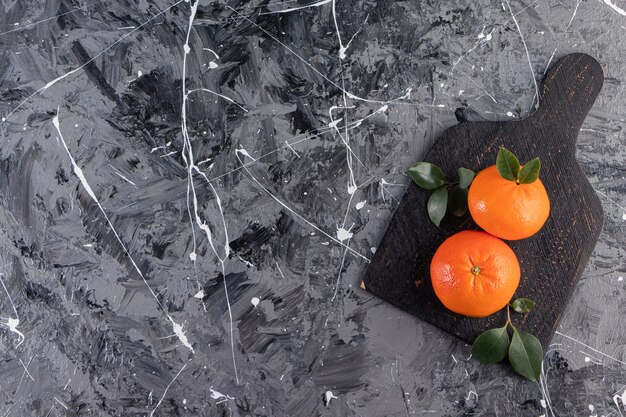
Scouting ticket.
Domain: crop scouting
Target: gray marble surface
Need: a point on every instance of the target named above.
(201, 257)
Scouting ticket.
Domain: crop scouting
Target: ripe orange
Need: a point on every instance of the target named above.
(506, 209)
(474, 273)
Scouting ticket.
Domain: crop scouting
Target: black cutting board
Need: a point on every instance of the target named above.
(553, 259)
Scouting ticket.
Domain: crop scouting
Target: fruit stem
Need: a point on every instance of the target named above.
(475, 270)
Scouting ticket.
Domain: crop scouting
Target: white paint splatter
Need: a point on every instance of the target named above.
(199, 294)
(321, 74)
(510, 114)
(22, 27)
(329, 396)
(342, 49)
(230, 100)
(167, 388)
(245, 153)
(620, 279)
(615, 7)
(621, 398)
(94, 58)
(382, 184)
(61, 403)
(469, 395)
(255, 301)
(373, 249)
(589, 347)
(26, 372)
(530, 65)
(343, 259)
(12, 323)
(193, 256)
(593, 360)
(213, 65)
(211, 51)
(79, 173)
(319, 3)
(573, 15)
(279, 270)
(614, 202)
(216, 395)
(119, 174)
(191, 166)
(139, 74)
(343, 234)
(360, 204)
(482, 35)
(591, 410)
(549, 61)
(295, 153)
(245, 167)
(334, 122)
(178, 331)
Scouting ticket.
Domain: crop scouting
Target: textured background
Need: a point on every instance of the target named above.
(114, 300)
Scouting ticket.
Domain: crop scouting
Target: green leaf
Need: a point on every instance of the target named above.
(529, 172)
(522, 305)
(491, 346)
(457, 201)
(466, 176)
(507, 164)
(437, 204)
(427, 175)
(526, 355)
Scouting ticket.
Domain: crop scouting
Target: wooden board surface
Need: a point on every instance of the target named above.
(552, 260)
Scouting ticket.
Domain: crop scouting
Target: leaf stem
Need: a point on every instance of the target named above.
(508, 318)
(451, 184)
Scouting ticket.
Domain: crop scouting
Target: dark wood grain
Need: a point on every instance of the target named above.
(552, 260)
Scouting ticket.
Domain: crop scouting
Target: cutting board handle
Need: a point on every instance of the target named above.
(569, 90)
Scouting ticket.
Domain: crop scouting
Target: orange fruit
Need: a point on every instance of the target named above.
(474, 273)
(506, 209)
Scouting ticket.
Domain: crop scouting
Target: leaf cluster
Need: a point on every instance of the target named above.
(510, 169)
(447, 195)
(523, 349)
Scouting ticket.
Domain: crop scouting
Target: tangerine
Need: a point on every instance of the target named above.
(474, 273)
(505, 208)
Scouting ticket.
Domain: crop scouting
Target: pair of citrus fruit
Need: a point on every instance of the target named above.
(475, 273)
